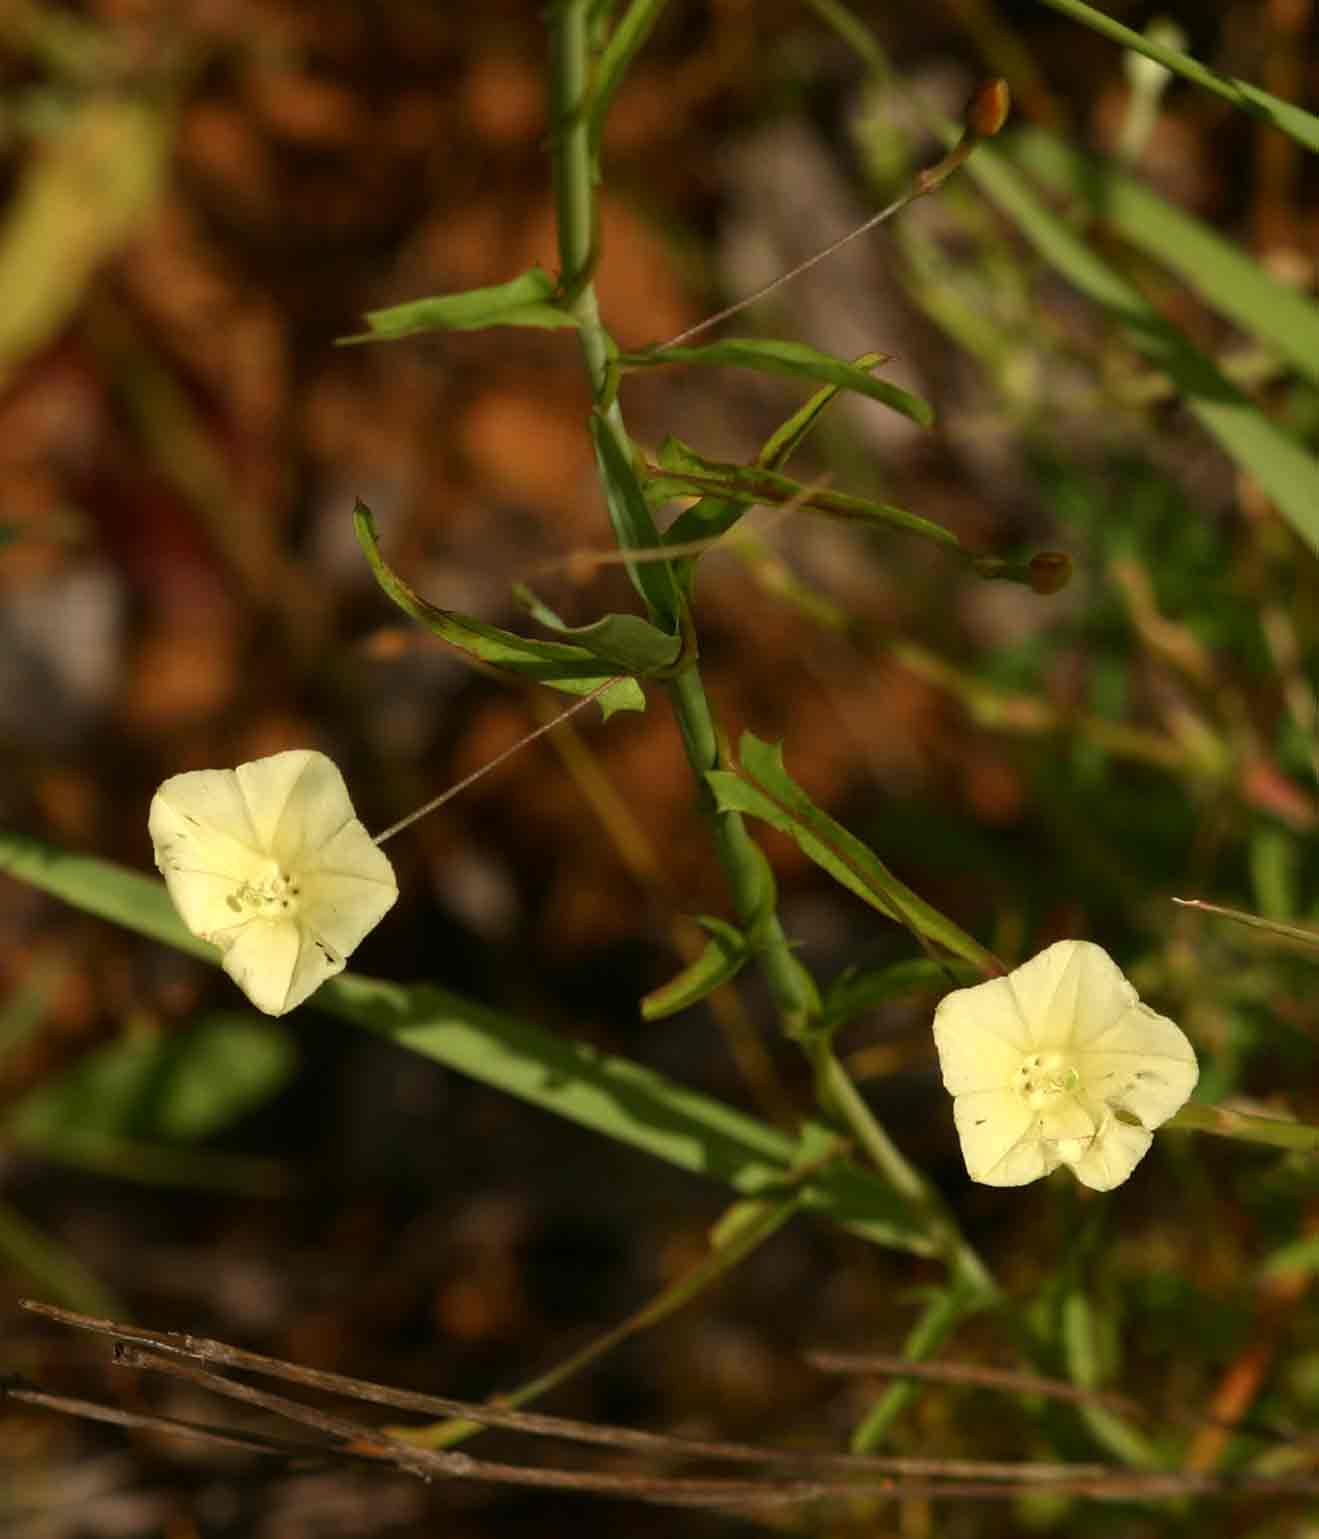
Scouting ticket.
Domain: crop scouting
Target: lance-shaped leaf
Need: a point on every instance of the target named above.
(723, 958)
(560, 665)
(626, 642)
(712, 516)
(795, 359)
(527, 300)
(764, 789)
(751, 484)
(634, 528)
(860, 989)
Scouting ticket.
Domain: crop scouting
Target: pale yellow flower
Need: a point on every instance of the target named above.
(269, 863)
(1059, 1063)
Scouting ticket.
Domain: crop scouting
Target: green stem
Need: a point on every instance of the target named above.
(795, 994)
(968, 1273)
(1299, 1137)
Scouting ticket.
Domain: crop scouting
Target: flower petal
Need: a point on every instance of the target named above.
(277, 964)
(1066, 1117)
(1106, 1160)
(980, 1036)
(262, 957)
(1144, 1064)
(297, 802)
(999, 1143)
(348, 889)
(205, 846)
(1093, 992)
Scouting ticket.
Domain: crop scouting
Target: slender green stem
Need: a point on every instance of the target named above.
(838, 1091)
(793, 988)
(1299, 1137)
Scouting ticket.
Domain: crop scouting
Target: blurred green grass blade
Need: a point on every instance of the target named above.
(609, 1095)
(944, 1312)
(56, 1271)
(79, 199)
(763, 789)
(1294, 121)
(1082, 1332)
(1281, 318)
(1284, 470)
(795, 359)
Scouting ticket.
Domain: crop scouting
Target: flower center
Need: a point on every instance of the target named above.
(1043, 1077)
(269, 894)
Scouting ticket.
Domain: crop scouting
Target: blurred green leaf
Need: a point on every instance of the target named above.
(527, 300)
(1282, 318)
(561, 666)
(182, 1088)
(857, 990)
(1284, 469)
(794, 359)
(723, 958)
(79, 198)
(1292, 120)
(763, 789)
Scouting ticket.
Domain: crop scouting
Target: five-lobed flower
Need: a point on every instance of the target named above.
(1059, 1063)
(270, 863)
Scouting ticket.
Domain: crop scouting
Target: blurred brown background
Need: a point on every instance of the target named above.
(199, 199)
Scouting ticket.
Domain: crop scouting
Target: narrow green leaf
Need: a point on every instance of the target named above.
(1282, 318)
(629, 512)
(527, 300)
(763, 789)
(795, 359)
(857, 990)
(1289, 119)
(1283, 468)
(626, 642)
(674, 454)
(56, 1272)
(625, 42)
(712, 517)
(749, 485)
(1081, 1333)
(723, 958)
(783, 442)
(561, 666)
(621, 1100)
